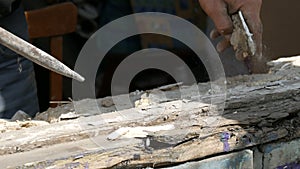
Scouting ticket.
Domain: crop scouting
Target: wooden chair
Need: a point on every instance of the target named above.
(53, 22)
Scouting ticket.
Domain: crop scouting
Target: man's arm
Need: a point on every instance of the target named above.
(220, 10)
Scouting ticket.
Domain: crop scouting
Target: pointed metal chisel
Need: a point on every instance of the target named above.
(36, 55)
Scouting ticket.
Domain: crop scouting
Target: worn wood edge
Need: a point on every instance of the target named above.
(128, 157)
(288, 94)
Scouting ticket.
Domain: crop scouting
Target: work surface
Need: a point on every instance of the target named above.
(162, 128)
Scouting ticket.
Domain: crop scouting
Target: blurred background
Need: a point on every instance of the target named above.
(281, 39)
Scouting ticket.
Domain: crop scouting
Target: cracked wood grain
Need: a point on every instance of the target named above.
(259, 109)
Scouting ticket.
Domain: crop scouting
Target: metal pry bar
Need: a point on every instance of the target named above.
(36, 55)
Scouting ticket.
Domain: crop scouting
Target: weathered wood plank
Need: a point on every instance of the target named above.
(238, 160)
(167, 130)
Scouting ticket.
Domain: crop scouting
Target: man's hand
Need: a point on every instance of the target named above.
(220, 10)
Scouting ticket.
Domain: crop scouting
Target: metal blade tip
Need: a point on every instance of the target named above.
(78, 77)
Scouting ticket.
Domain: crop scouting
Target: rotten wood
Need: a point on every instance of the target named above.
(244, 44)
(162, 131)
